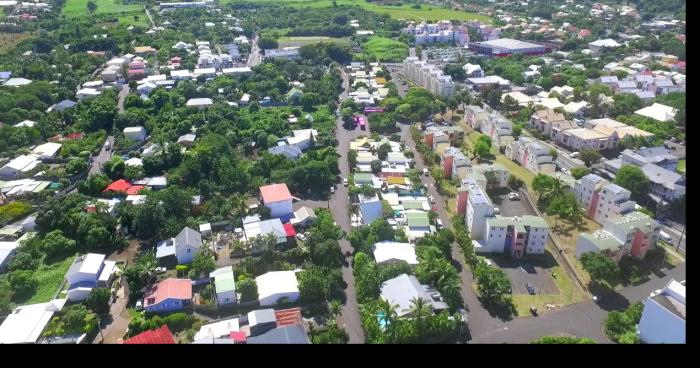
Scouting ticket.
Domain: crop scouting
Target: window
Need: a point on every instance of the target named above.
(189, 250)
(491, 236)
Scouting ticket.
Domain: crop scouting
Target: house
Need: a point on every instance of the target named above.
(598, 45)
(544, 120)
(290, 152)
(213, 333)
(665, 184)
(25, 324)
(16, 82)
(225, 284)
(145, 88)
(160, 335)
(520, 98)
(659, 156)
(143, 50)
(19, 166)
(47, 150)
(663, 317)
(135, 133)
(632, 234)
(8, 250)
(25, 123)
(88, 272)
(168, 295)
(275, 285)
(551, 103)
(610, 81)
(187, 140)
(277, 198)
(179, 75)
(61, 106)
(615, 130)
(402, 290)
(417, 224)
(87, 93)
(658, 112)
(577, 109)
(565, 91)
(578, 139)
(303, 217)
(473, 70)
(389, 252)
(370, 208)
(253, 227)
(601, 199)
(293, 334)
(516, 236)
(199, 103)
(261, 321)
(183, 247)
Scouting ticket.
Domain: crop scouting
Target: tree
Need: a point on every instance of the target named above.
(76, 166)
(383, 151)
(6, 293)
(326, 253)
(481, 149)
(133, 172)
(247, 288)
(74, 318)
(554, 153)
(202, 264)
(621, 326)
(494, 286)
(546, 187)
(420, 311)
(579, 172)
(320, 283)
(599, 266)
(94, 184)
(565, 206)
(633, 179)
(376, 166)
(563, 340)
(23, 282)
(98, 300)
(55, 243)
(91, 7)
(309, 100)
(590, 157)
(23, 261)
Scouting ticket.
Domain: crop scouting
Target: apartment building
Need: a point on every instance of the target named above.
(632, 234)
(583, 138)
(531, 154)
(549, 122)
(479, 207)
(663, 317)
(601, 199)
(429, 76)
(498, 128)
(454, 163)
(475, 116)
(516, 236)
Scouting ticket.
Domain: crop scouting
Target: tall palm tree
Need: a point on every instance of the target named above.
(389, 316)
(335, 306)
(147, 264)
(420, 311)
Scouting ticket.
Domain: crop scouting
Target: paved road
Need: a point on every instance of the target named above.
(675, 233)
(254, 58)
(583, 319)
(338, 204)
(102, 157)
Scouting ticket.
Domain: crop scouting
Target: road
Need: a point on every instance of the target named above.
(254, 58)
(102, 157)
(675, 233)
(338, 204)
(583, 319)
(563, 156)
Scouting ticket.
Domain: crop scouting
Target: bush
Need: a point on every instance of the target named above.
(247, 288)
(179, 321)
(14, 211)
(98, 300)
(23, 282)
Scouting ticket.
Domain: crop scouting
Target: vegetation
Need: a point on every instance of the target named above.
(14, 211)
(621, 327)
(384, 49)
(563, 340)
(632, 178)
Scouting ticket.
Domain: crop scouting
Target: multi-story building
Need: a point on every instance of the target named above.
(549, 122)
(507, 47)
(475, 116)
(659, 156)
(583, 138)
(498, 128)
(515, 236)
(496, 175)
(478, 209)
(429, 76)
(632, 234)
(532, 155)
(663, 318)
(601, 199)
(454, 163)
(441, 32)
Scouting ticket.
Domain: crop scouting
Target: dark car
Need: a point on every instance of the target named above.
(530, 289)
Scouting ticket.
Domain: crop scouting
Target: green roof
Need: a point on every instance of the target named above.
(636, 220)
(417, 219)
(362, 178)
(527, 220)
(602, 240)
(225, 282)
(412, 205)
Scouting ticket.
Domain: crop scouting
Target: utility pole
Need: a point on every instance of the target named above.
(680, 239)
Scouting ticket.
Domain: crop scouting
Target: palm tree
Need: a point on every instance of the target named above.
(389, 316)
(335, 306)
(420, 311)
(147, 264)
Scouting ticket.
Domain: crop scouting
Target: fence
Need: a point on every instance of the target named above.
(571, 269)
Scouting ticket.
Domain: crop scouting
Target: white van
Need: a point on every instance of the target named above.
(425, 171)
(665, 237)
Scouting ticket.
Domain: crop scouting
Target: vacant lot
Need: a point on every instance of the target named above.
(78, 8)
(385, 49)
(9, 40)
(405, 11)
(301, 41)
(50, 278)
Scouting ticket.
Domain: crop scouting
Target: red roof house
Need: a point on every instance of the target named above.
(289, 229)
(168, 295)
(134, 189)
(287, 317)
(277, 198)
(161, 335)
(120, 185)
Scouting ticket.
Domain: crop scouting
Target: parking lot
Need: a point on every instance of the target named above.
(509, 207)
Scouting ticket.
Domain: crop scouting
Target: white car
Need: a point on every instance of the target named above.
(345, 182)
(438, 222)
(513, 196)
(139, 305)
(573, 154)
(301, 237)
(565, 170)
(425, 171)
(496, 211)
(665, 237)
(332, 189)
(431, 199)
(160, 270)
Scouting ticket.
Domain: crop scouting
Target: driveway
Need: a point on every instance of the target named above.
(102, 157)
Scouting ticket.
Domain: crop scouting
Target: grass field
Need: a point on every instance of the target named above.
(78, 8)
(385, 49)
(300, 41)
(49, 278)
(399, 12)
(9, 40)
(568, 294)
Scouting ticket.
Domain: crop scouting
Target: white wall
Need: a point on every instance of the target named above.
(221, 298)
(272, 299)
(660, 326)
(186, 254)
(495, 238)
(536, 241)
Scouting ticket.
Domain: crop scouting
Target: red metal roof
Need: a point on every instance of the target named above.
(171, 288)
(76, 135)
(275, 193)
(134, 189)
(238, 336)
(289, 229)
(287, 317)
(160, 335)
(120, 185)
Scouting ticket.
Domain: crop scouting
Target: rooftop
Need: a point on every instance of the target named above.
(161, 335)
(26, 323)
(509, 43)
(171, 288)
(602, 240)
(275, 282)
(387, 250)
(275, 193)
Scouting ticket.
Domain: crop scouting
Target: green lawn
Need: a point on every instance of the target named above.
(385, 49)
(78, 8)
(49, 278)
(568, 294)
(681, 166)
(400, 12)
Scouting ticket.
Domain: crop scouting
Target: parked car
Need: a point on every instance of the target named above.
(530, 289)
(665, 237)
(513, 196)
(533, 310)
(425, 171)
(565, 170)
(345, 182)
(573, 154)
(496, 211)
(431, 198)
(332, 189)
(439, 223)
(301, 237)
(108, 146)
(139, 305)
(160, 270)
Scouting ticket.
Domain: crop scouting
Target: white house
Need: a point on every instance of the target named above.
(402, 289)
(388, 252)
(278, 199)
(25, 324)
(87, 93)
(88, 272)
(663, 318)
(47, 150)
(184, 246)
(370, 208)
(658, 112)
(135, 133)
(199, 103)
(225, 284)
(275, 285)
(20, 165)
